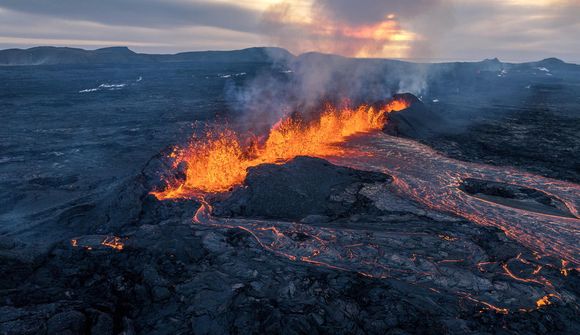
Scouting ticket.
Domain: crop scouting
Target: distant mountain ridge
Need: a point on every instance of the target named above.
(48, 55)
(123, 55)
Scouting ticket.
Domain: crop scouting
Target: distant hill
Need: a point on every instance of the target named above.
(123, 55)
(60, 55)
(47, 55)
(245, 55)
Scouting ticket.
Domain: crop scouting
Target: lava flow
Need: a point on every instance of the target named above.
(222, 158)
(421, 175)
(432, 179)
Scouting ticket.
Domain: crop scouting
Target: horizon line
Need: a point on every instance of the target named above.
(433, 60)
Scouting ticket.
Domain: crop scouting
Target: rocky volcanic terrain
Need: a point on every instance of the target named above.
(302, 247)
(390, 265)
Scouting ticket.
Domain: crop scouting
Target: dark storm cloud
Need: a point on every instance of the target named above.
(143, 13)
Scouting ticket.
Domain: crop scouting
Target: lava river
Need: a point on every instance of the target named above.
(433, 180)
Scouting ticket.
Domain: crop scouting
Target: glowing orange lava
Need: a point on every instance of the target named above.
(544, 301)
(92, 241)
(221, 159)
(113, 242)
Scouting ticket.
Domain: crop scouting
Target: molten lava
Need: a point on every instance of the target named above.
(221, 159)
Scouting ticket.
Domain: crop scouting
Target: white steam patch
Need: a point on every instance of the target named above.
(225, 76)
(88, 90)
(414, 81)
(107, 87)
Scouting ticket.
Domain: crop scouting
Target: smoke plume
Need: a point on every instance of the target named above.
(324, 35)
(366, 28)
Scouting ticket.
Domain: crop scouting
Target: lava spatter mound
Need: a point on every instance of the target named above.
(416, 121)
(302, 187)
(516, 196)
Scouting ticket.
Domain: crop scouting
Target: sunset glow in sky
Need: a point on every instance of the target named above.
(513, 30)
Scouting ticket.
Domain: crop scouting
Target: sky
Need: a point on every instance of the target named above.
(425, 30)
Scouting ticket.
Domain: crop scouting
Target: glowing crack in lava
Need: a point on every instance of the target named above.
(221, 159)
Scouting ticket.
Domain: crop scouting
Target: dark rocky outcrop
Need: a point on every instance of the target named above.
(303, 186)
